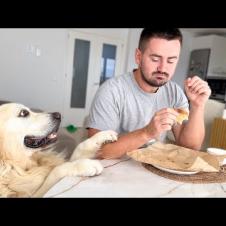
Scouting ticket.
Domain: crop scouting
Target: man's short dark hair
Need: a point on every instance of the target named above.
(168, 34)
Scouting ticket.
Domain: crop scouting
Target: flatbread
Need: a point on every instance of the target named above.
(183, 115)
(174, 157)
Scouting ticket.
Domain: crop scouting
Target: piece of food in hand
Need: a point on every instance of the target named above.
(183, 115)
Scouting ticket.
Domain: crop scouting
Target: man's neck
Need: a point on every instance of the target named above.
(142, 84)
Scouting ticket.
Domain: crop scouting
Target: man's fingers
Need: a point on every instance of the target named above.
(203, 90)
(166, 127)
(167, 111)
(192, 81)
(168, 121)
(197, 87)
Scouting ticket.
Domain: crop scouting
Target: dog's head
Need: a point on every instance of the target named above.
(24, 130)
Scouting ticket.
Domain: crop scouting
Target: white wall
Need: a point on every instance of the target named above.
(34, 81)
(117, 33)
(183, 64)
(38, 82)
(133, 39)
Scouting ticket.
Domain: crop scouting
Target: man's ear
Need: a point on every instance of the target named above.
(138, 55)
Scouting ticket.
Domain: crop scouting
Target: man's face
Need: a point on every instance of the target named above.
(158, 61)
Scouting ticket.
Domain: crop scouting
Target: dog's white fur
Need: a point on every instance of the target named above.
(29, 172)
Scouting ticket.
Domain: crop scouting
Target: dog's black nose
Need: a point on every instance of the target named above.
(56, 115)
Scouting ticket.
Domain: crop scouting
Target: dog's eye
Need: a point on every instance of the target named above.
(23, 113)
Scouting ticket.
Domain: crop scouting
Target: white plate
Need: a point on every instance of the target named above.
(216, 151)
(176, 171)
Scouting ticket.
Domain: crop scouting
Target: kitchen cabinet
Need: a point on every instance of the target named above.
(216, 66)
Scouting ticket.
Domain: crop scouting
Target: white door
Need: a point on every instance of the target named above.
(92, 59)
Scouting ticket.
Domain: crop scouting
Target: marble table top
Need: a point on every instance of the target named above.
(128, 178)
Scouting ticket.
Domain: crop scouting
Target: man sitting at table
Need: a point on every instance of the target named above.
(140, 105)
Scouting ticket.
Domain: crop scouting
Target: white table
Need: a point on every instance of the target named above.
(128, 178)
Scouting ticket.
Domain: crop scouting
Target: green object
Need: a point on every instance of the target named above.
(71, 128)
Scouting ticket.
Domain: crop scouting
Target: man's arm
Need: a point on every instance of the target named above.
(125, 143)
(161, 121)
(192, 134)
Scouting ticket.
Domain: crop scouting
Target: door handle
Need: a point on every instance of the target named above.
(96, 83)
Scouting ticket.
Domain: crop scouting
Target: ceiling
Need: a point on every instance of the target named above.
(206, 31)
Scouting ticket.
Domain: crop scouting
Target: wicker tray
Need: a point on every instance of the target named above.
(199, 178)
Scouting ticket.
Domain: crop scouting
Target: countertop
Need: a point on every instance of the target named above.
(128, 178)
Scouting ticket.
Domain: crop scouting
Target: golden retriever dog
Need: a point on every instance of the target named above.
(28, 171)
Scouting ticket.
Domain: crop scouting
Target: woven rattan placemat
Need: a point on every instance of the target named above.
(199, 178)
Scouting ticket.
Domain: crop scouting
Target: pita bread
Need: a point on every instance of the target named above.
(174, 157)
(183, 115)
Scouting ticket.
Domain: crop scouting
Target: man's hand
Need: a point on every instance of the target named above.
(163, 120)
(197, 91)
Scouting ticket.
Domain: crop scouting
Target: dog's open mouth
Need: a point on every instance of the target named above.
(37, 142)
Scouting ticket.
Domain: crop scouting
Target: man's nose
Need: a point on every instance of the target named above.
(161, 67)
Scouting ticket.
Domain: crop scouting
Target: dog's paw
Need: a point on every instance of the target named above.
(87, 167)
(106, 136)
(88, 148)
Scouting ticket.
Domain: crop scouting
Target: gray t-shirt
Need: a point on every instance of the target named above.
(121, 105)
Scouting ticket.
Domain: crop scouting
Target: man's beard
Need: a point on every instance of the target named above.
(153, 82)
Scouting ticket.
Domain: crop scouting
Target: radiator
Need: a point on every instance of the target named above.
(218, 133)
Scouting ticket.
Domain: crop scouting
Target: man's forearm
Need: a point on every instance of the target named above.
(125, 143)
(193, 133)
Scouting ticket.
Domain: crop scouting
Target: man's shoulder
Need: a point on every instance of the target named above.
(117, 81)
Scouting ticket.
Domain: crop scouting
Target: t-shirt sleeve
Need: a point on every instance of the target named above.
(105, 111)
